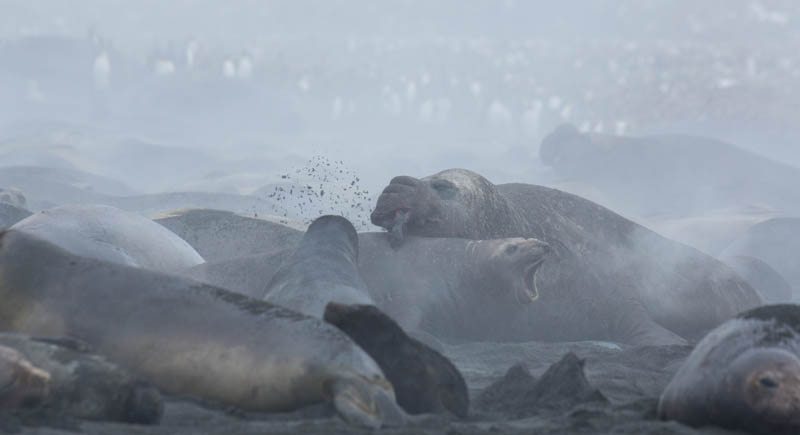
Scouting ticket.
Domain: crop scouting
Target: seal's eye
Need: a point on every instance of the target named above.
(768, 382)
(510, 250)
(444, 188)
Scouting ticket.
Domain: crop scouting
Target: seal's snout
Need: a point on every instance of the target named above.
(405, 180)
(395, 201)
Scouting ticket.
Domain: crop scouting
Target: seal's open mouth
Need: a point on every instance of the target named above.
(528, 292)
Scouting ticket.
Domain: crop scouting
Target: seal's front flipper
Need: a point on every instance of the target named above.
(363, 403)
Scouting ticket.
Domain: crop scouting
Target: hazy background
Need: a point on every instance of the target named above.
(235, 96)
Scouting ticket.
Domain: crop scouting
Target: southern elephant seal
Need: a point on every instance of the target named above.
(673, 174)
(110, 234)
(629, 283)
(762, 277)
(22, 384)
(189, 338)
(775, 242)
(85, 385)
(423, 379)
(458, 289)
(220, 235)
(743, 375)
(324, 268)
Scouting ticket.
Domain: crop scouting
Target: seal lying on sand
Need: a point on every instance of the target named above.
(110, 234)
(21, 383)
(324, 268)
(87, 386)
(188, 338)
(743, 375)
(221, 235)
(627, 283)
(424, 380)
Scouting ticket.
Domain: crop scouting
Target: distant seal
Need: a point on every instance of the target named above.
(609, 264)
(769, 283)
(324, 268)
(188, 338)
(110, 234)
(220, 235)
(775, 242)
(743, 375)
(11, 214)
(13, 197)
(672, 174)
(423, 379)
(21, 383)
(87, 386)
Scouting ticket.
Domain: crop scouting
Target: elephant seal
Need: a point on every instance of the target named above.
(626, 282)
(13, 197)
(456, 289)
(188, 338)
(669, 174)
(220, 235)
(110, 234)
(324, 268)
(453, 289)
(11, 214)
(775, 242)
(87, 386)
(423, 379)
(743, 375)
(21, 383)
(769, 283)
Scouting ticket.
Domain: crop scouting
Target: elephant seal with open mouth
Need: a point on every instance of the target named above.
(622, 281)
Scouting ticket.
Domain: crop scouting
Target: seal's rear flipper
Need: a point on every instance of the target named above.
(365, 404)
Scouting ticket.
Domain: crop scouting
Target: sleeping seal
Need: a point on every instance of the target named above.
(608, 264)
(110, 234)
(324, 268)
(743, 375)
(189, 338)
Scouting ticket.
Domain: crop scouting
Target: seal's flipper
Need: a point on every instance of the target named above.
(364, 404)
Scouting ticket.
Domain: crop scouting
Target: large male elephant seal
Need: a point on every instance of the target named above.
(626, 282)
(743, 375)
(111, 234)
(188, 338)
(324, 268)
(85, 385)
(762, 277)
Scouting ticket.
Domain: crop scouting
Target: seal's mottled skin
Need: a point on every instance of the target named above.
(188, 338)
(626, 283)
(743, 375)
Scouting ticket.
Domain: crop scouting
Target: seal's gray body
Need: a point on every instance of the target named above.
(745, 374)
(624, 282)
(323, 269)
(110, 234)
(188, 338)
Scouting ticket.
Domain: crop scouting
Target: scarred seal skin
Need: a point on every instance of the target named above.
(189, 338)
(743, 375)
(618, 280)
